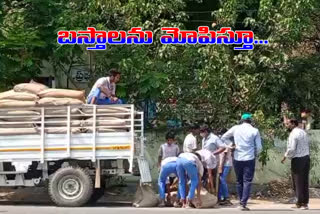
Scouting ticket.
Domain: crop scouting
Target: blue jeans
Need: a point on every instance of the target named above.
(223, 187)
(184, 167)
(166, 170)
(245, 173)
(99, 101)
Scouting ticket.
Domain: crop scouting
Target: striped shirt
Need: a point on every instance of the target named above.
(298, 144)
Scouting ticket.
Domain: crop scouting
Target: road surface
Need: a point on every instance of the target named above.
(125, 209)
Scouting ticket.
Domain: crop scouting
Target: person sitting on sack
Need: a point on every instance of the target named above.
(104, 90)
(168, 167)
(189, 164)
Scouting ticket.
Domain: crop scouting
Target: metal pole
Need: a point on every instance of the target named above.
(142, 136)
(94, 133)
(132, 138)
(68, 132)
(42, 136)
(98, 175)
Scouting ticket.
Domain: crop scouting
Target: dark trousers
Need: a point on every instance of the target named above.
(244, 172)
(300, 168)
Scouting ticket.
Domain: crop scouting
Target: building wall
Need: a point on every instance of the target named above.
(79, 73)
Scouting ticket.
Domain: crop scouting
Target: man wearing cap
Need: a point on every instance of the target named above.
(104, 90)
(247, 147)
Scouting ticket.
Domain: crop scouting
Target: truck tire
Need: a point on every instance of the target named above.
(70, 187)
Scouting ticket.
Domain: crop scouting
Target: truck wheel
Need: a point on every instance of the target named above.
(70, 187)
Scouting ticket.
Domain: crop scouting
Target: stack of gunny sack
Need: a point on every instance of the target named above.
(20, 112)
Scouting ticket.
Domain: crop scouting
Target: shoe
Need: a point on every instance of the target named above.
(162, 204)
(297, 206)
(177, 204)
(243, 208)
(222, 202)
(304, 207)
(227, 202)
(190, 205)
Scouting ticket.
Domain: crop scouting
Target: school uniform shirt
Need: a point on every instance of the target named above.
(193, 158)
(208, 160)
(190, 143)
(168, 160)
(212, 143)
(169, 150)
(298, 144)
(227, 156)
(104, 82)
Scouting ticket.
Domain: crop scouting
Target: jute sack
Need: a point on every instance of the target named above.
(62, 93)
(32, 87)
(20, 113)
(61, 121)
(23, 96)
(51, 101)
(60, 130)
(3, 125)
(62, 111)
(20, 116)
(51, 113)
(22, 131)
(105, 130)
(105, 121)
(208, 200)
(16, 103)
(145, 197)
(109, 111)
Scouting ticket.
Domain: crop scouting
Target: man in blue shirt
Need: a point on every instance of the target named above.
(247, 147)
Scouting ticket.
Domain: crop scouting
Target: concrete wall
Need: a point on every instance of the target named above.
(274, 170)
(79, 73)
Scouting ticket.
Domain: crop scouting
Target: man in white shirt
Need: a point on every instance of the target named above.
(247, 148)
(190, 142)
(298, 150)
(209, 162)
(212, 143)
(104, 90)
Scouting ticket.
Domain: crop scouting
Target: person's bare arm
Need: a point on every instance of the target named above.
(159, 157)
(210, 181)
(93, 100)
(105, 91)
(199, 192)
(218, 151)
(222, 162)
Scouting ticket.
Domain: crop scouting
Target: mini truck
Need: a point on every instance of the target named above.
(71, 149)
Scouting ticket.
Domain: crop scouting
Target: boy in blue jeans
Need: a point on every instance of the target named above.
(225, 165)
(168, 167)
(189, 165)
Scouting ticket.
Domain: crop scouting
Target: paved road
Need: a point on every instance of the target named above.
(112, 209)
